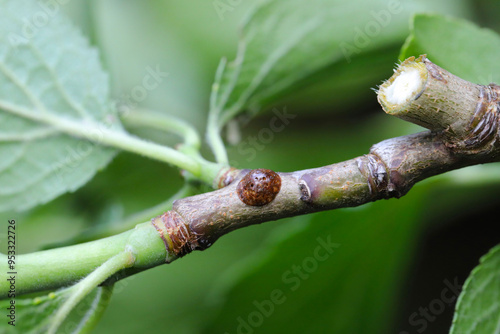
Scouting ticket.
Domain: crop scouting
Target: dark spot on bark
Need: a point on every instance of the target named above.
(259, 187)
(305, 192)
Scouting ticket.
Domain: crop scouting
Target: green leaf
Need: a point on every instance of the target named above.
(457, 45)
(51, 81)
(478, 306)
(328, 272)
(285, 42)
(35, 315)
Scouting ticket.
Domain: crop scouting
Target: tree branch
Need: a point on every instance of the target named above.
(463, 119)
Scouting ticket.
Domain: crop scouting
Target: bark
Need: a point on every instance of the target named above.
(463, 119)
(463, 122)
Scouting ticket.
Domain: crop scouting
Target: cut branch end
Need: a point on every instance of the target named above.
(405, 86)
(464, 114)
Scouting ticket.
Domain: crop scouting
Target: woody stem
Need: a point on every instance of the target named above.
(463, 119)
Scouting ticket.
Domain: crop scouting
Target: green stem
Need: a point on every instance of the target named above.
(163, 122)
(389, 170)
(118, 262)
(101, 134)
(213, 131)
(216, 143)
(42, 270)
(54, 268)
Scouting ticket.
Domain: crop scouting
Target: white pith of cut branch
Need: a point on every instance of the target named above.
(404, 87)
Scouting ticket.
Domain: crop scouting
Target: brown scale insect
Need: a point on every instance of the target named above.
(259, 187)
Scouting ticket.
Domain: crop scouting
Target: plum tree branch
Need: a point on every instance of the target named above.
(463, 119)
(463, 122)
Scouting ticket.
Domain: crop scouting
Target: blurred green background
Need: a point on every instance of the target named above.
(394, 257)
